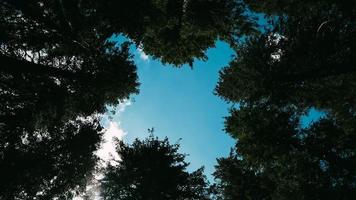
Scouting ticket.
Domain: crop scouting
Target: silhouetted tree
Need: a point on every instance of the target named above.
(54, 72)
(236, 180)
(152, 169)
(56, 56)
(177, 31)
(301, 61)
(48, 163)
(276, 159)
(305, 60)
(55, 97)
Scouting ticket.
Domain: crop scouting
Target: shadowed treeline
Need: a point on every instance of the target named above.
(59, 71)
(306, 61)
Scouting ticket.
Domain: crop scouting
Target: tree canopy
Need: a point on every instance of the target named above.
(315, 162)
(60, 69)
(43, 164)
(303, 60)
(177, 31)
(152, 169)
(300, 62)
(58, 66)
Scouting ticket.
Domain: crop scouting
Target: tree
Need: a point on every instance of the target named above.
(303, 61)
(45, 164)
(177, 31)
(64, 97)
(68, 56)
(236, 180)
(53, 74)
(152, 169)
(276, 159)
(298, 63)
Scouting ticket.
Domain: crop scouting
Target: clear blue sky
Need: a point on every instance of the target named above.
(179, 103)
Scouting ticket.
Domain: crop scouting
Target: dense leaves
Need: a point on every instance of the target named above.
(316, 162)
(177, 31)
(152, 169)
(89, 70)
(59, 65)
(236, 180)
(303, 62)
(43, 164)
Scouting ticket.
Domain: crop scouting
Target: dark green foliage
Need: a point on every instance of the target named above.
(305, 61)
(65, 94)
(47, 163)
(316, 162)
(302, 62)
(236, 180)
(45, 150)
(56, 68)
(89, 71)
(177, 31)
(262, 133)
(152, 169)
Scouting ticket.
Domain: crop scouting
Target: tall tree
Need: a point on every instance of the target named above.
(300, 62)
(49, 163)
(275, 158)
(303, 61)
(56, 68)
(152, 169)
(39, 42)
(236, 180)
(177, 31)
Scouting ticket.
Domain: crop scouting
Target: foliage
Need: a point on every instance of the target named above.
(57, 68)
(177, 31)
(43, 164)
(152, 169)
(89, 70)
(283, 161)
(304, 62)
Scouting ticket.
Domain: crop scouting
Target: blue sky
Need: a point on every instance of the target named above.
(179, 103)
